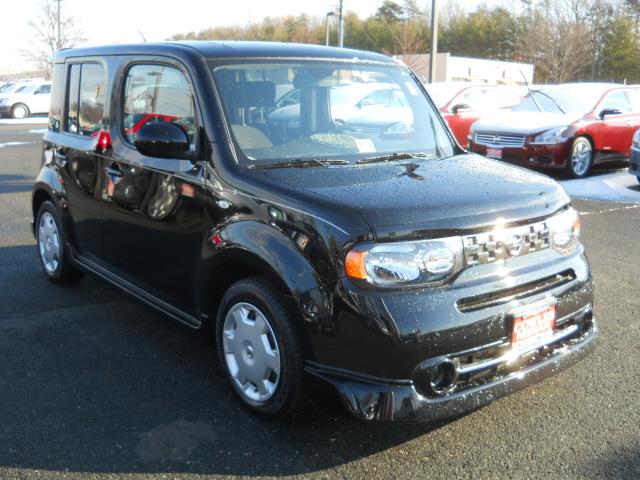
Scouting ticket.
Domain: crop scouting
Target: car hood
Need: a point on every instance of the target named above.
(414, 198)
(522, 122)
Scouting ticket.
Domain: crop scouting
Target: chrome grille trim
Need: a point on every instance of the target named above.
(503, 243)
(500, 139)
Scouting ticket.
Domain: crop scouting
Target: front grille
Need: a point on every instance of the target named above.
(500, 139)
(500, 297)
(503, 243)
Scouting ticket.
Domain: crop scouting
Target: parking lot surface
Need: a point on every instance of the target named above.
(93, 385)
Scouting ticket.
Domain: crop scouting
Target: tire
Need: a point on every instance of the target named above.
(52, 246)
(259, 350)
(580, 158)
(19, 111)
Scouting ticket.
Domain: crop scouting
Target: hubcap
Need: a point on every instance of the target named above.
(580, 158)
(49, 242)
(20, 112)
(251, 352)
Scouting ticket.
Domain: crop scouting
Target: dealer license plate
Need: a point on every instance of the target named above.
(533, 328)
(494, 153)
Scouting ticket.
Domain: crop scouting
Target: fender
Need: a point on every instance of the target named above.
(50, 184)
(266, 247)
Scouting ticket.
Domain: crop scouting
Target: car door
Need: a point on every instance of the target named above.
(75, 156)
(41, 98)
(152, 207)
(616, 130)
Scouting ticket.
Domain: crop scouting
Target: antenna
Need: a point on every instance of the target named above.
(143, 39)
(530, 92)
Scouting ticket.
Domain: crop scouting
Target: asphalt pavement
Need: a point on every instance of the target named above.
(93, 385)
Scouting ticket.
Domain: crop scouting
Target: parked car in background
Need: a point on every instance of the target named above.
(349, 249)
(569, 126)
(27, 99)
(634, 163)
(462, 103)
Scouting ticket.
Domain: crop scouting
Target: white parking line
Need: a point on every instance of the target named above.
(24, 121)
(615, 209)
(13, 144)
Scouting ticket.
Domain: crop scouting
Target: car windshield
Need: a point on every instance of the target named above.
(443, 92)
(26, 89)
(570, 99)
(332, 110)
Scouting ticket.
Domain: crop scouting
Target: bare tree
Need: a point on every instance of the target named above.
(52, 31)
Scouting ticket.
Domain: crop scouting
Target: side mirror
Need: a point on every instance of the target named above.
(460, 106)
(161, 139)
(609, 111)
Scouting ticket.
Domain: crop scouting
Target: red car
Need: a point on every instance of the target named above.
(570, 127)
(462, 103)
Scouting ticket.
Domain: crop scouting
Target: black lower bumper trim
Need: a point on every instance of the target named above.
(399, 401)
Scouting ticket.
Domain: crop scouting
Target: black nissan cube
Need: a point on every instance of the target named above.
(308, 208)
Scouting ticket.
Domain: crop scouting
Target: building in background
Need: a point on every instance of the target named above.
(476, 70)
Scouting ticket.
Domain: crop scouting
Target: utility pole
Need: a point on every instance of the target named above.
(59, 33)
(434, 41)
(340, 26)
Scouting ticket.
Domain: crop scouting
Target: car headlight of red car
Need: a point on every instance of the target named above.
(553, 136)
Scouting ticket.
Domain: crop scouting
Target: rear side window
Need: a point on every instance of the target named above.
(157, 93)
(85, 102)
(55, 113)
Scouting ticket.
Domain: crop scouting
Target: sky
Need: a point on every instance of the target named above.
(120, 21)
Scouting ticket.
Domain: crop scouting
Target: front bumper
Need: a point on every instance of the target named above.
(529, 155)
(402, 402)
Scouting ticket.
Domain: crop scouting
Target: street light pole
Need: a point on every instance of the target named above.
(340, 26)
(434, 41)
(329, 14)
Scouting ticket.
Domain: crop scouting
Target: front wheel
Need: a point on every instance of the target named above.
(258, 348)
(580, 158)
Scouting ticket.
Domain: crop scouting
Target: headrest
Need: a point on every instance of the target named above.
(254, 94)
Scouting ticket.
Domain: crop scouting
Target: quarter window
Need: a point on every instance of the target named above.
(157, 93)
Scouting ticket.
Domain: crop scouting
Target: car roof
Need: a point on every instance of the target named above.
(227, 49)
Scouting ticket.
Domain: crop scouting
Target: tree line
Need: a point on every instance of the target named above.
(566, 40)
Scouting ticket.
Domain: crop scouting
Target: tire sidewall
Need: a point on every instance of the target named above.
(249, 291)
(570, 169)
(48, 207)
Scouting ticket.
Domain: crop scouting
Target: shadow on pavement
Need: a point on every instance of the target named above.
(15, 183)
(92, 382)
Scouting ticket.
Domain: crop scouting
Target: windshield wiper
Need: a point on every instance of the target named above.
(395, 156)
(301, 163)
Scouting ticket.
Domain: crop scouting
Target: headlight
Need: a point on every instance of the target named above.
(406, 263)
(636, 141)
(553, 136)
(564, 231)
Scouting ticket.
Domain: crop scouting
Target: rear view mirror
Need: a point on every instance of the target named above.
(608, 111)
(458, 107)
(161, 139)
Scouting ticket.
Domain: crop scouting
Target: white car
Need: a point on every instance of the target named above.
(26, 99)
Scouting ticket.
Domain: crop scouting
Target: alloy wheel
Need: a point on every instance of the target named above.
(581, 157)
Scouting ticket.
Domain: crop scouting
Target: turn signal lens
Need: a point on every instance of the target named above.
(354, 265)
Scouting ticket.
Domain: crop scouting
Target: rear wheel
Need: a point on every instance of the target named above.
(19, 110)
(580, 158)
(52, 250)
(258, 348)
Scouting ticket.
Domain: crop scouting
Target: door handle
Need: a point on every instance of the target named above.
(113, 172)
